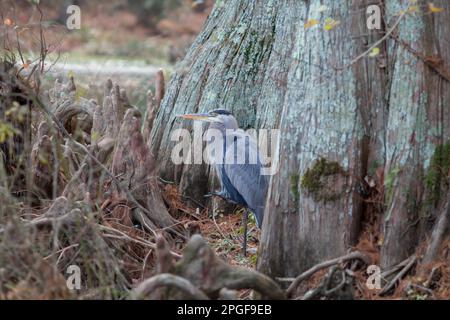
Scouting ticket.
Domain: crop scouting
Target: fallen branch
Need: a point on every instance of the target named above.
(124, 236)
(50, 222)
(430, 278)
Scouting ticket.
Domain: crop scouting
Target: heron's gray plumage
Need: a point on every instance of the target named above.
(242, 183)
(246, 179)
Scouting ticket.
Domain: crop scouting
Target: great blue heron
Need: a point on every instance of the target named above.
(241, 182)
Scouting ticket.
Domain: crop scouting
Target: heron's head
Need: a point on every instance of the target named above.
(217, 118)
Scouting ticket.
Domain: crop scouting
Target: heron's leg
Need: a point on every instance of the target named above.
(245, 221)
(220, 194)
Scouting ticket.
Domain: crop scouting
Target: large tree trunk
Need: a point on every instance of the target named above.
(236, 63)
(313, 211)
(340, 119)
(417, 134)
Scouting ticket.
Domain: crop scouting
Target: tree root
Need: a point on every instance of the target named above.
(200, 267)
(410, 262)
(169, 281)
(305, 275)
(332, 287)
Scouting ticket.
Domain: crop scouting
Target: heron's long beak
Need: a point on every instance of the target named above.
(199, 117)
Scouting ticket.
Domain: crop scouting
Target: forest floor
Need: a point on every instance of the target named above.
(225, 236)
(223, 231)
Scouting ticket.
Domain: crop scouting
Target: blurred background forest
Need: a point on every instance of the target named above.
(121, 39)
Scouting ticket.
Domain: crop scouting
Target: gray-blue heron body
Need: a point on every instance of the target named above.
(242, 182)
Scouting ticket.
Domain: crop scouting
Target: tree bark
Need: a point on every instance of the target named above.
(313, 212)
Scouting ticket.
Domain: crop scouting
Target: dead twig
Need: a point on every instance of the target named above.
(376, 44)
(124, 236)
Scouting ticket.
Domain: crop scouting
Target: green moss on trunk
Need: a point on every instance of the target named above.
(437, 172)
(389, 183)
(294, 187)
(321, 180)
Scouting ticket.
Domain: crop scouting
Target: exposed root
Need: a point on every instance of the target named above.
(201, 268)
(305, 275)
(408, 265)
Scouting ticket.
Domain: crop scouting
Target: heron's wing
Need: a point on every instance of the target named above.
(246, 176)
